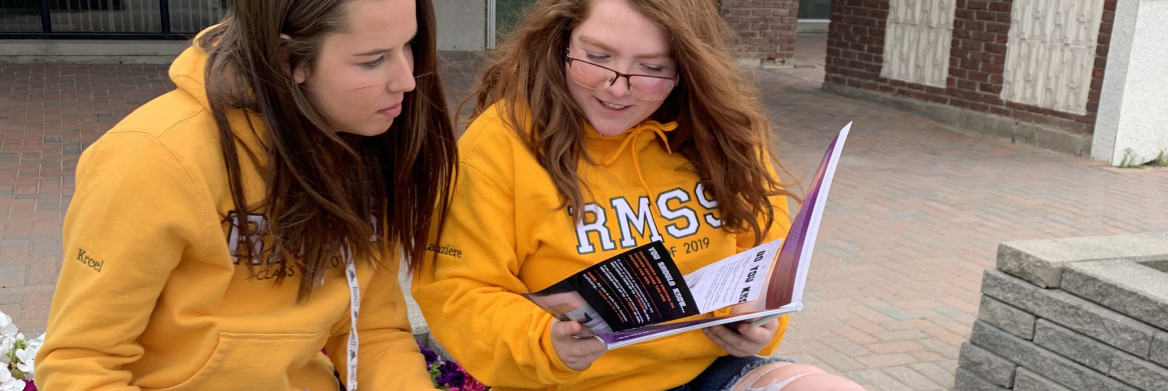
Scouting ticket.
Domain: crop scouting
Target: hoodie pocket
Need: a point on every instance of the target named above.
(260, 361)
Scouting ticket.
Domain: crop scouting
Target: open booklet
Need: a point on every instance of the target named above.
(640, 294)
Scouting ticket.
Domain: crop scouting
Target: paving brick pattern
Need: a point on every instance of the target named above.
(914, 217)
(48, 115)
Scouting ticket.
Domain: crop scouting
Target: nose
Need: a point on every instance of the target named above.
(401, 73)
(619, 87)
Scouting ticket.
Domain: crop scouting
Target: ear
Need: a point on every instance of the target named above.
(298, 75)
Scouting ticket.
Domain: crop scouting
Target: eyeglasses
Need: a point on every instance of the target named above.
(593, 76)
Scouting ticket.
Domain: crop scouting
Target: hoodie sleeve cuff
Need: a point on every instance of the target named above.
(559, 372)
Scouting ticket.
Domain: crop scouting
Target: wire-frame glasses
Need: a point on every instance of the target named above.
(594, 76)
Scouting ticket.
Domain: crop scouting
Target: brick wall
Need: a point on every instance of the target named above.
(855, 50)
(765, 28)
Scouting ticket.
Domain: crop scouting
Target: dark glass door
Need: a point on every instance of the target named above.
(177, 19)
(507, 14)
(814, 9)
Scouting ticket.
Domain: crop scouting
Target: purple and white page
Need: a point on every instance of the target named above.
(780, 292)
(734, 280)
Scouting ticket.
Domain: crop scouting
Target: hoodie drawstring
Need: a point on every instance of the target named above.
(659, 130)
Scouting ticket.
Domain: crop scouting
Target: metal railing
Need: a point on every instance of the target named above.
(108, 19)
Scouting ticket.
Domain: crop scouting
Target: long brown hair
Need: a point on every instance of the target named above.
(326, 191)
(722, 130)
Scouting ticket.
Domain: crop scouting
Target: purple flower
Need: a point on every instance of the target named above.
(447, 374)
(450, 374)
(28, 386)
(431, 357)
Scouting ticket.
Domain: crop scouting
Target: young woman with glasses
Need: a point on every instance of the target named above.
(603, 125)
(225, 232)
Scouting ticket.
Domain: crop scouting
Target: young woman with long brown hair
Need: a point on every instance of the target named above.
(226, 232)
(603, 125)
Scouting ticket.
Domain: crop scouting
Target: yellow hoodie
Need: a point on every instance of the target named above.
(505, 235)
(150, 297)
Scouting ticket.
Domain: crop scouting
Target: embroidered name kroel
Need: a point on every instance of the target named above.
(91, 262)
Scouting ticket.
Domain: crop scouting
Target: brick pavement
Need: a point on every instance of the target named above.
(48, 114)
(916, 211)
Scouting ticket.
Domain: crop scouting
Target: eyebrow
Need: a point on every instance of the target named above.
(381, 51)
(594, 42)
(371, 52)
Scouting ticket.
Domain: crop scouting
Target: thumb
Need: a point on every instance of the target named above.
(565, 328)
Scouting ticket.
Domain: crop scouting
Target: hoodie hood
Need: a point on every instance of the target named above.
(188, 72)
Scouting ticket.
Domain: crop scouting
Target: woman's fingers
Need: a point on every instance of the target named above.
(576, 353)
(743, 339)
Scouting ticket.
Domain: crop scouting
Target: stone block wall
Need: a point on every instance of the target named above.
(1072, 314)
(765, 29)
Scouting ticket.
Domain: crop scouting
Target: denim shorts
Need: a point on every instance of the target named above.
(725, 372)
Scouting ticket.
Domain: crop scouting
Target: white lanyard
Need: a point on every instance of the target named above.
(354, 307)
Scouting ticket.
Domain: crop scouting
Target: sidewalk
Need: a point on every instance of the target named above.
(915, 215)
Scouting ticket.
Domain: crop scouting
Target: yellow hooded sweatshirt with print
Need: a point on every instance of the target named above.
(507, 234)
(150, 297)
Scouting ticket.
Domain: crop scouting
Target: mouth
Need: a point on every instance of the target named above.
(391, 111)
(612, 106)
